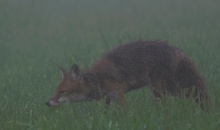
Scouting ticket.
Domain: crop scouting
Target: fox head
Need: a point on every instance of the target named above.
(72, 87)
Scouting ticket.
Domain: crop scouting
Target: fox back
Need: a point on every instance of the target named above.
(156, 64)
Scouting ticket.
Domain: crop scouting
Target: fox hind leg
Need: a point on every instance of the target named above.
(158, 89)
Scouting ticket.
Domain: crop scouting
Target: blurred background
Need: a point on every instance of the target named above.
(38, 35)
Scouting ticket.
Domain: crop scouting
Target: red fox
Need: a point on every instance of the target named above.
(156, 64)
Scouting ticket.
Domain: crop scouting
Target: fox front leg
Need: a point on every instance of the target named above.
(108, 101)
(110, 96)
(115, 95)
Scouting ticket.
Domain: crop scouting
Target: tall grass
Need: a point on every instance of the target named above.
(36, 36)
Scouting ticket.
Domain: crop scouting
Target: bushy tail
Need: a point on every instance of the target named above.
(188, 78)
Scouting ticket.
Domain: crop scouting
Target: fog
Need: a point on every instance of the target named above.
(27, 18)
(62, 19)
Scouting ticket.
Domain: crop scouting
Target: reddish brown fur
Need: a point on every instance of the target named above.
(160, 66)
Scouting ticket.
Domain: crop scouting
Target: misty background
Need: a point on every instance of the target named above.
(38, 35)
(44, 21)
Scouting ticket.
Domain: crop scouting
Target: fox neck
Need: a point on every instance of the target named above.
(96, 89)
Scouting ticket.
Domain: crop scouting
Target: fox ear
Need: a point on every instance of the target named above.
(74, 71)
(63, 71)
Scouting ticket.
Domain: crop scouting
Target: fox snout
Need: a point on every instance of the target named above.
(52, 103)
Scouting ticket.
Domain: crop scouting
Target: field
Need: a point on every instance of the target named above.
(37, 36)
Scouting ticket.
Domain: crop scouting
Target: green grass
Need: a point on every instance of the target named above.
(36, 36)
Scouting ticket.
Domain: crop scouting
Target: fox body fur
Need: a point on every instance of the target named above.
(156, 64)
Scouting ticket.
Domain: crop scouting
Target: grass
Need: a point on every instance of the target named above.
(36, 36)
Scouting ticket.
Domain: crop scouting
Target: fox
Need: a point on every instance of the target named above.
(160, 66)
